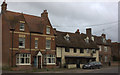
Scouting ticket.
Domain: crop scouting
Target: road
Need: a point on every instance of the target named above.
(102, 70)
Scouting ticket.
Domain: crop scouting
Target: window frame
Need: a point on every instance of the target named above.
(23, 41)
(81, 50)
(22, 26)
(24, 57)
(51, 57)
(93, 51)
(48, 30)
(36, 44)
(105, 49)
(48, 44)
(67, 49)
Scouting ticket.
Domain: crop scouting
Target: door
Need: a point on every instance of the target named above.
(35, 61)
(39, 62)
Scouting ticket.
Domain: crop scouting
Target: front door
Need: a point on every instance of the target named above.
(39, 62)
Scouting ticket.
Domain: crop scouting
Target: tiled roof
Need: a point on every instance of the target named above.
(35, 23)
(75, 41)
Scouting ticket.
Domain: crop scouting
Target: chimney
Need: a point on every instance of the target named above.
(103, 35)
(3, 6)
(44, 14)
(109, 40)
(77, 31)
(88, 31)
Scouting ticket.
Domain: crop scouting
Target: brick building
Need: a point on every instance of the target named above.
(27, 40)
(115, 52)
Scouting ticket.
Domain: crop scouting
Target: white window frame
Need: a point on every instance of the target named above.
(93, 51)
(22, 25)
(106, 58)
(36, 44)
(92, 38)
(47, 44)
(87, 51)
(19, 56)
(51, 57)
(105, 49)
(100, 48)
(87, 40)
(48, 30)
(23, 39)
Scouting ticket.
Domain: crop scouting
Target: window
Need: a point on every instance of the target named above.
(48, 44)
(75, 50)
(93, 51)
(21, 42)
(105, 58)
(87, 40)
(66, 49)
(48, 30)
(92, 38)
(36, 43)
(23, 59)
(49, 59)
(100, 48)
(21, 26)
(67, 37)
(87, 50)
(81, 50)
(105, 48)
(104, 41)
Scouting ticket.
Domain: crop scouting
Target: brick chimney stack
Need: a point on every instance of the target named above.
(103, 35)
(88, 31)
(77, 31)
(4, 6)
(44, 14)
(109, 40)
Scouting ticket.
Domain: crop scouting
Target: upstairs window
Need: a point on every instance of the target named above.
(81, 50)
(93, 51)
(21, 42)
(75, 50)
(48, 30)
(87, 40)
(22, 27)
(92, 38)
(48, 44)
(36, 44)
(104, 41)
(87, 50)
(105, 48)
(66, 49)
(100, 48)
(105, 59)
(67, 37)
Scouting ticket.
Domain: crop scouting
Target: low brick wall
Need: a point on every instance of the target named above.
(115, 63)
(69, 66)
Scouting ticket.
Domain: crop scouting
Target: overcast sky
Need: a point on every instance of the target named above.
(102, 17)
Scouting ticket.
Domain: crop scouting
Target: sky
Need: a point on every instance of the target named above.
(68, 16)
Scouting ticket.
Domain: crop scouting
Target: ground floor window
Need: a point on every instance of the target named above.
(23, 59)
(49, 59)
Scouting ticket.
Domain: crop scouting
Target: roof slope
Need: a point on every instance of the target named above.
(75, 41)
(34, 22)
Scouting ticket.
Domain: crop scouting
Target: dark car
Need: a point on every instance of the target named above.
(92, 65)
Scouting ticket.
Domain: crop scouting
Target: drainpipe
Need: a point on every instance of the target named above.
(12, 47)
(30, 47)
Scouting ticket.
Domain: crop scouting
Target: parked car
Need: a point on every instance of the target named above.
(92, 65)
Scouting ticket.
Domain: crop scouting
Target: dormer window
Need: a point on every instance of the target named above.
(48, 30)
(67, 37)
(104, 41)
(22, 25)
(87, 40)
(92, 38)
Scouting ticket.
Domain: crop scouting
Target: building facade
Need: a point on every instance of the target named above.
(27, 40)
(115, 51)
(72, 51)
